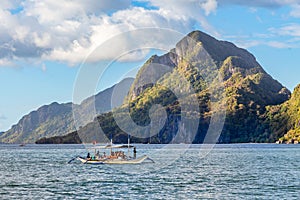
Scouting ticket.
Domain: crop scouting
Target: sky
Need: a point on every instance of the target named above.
(44, 43)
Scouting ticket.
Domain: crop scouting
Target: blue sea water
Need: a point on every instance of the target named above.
(235, 171)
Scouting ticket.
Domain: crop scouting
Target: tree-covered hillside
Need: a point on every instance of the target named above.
(57, 119)
(221, 76)
(284, 119)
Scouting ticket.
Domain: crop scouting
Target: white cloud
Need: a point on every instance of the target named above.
(275, 44)
(51, 30)
(270, 39)
(253, 10)
(260, 3)
(44, 67)
(68, 30)
(188, 11)
(52, 12)
(279, 45)
(295, 11)
(287, 30)
(9, 4)
(247, 43)
(209, 6)
(4, 62)
(2, 117)
(41, 40)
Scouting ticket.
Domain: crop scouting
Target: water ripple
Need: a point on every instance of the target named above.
(228, 172)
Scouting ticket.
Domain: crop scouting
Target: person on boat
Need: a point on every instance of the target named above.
(122, 155)
(98, 154)
(134, 153)
(88, 157)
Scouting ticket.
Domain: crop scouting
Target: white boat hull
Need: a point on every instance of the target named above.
(85, 161)
(113, 161)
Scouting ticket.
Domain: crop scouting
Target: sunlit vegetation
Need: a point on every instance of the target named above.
(219, 76)
(252, 98)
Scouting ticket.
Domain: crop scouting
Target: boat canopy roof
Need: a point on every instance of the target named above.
(113, 146)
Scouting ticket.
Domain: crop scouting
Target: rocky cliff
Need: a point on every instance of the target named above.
(232, 73)
(57, 119)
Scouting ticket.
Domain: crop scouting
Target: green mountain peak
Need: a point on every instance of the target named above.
(183, 86)
(199, 59)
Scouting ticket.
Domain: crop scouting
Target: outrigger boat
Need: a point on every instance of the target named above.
(115, 155)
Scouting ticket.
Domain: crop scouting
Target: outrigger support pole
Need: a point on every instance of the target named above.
(111, 145)
(128, 145)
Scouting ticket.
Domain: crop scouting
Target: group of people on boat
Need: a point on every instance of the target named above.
(118, 154)
(113, 155)
(97, 156)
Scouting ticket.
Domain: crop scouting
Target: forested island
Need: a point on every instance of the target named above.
(258, 108)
